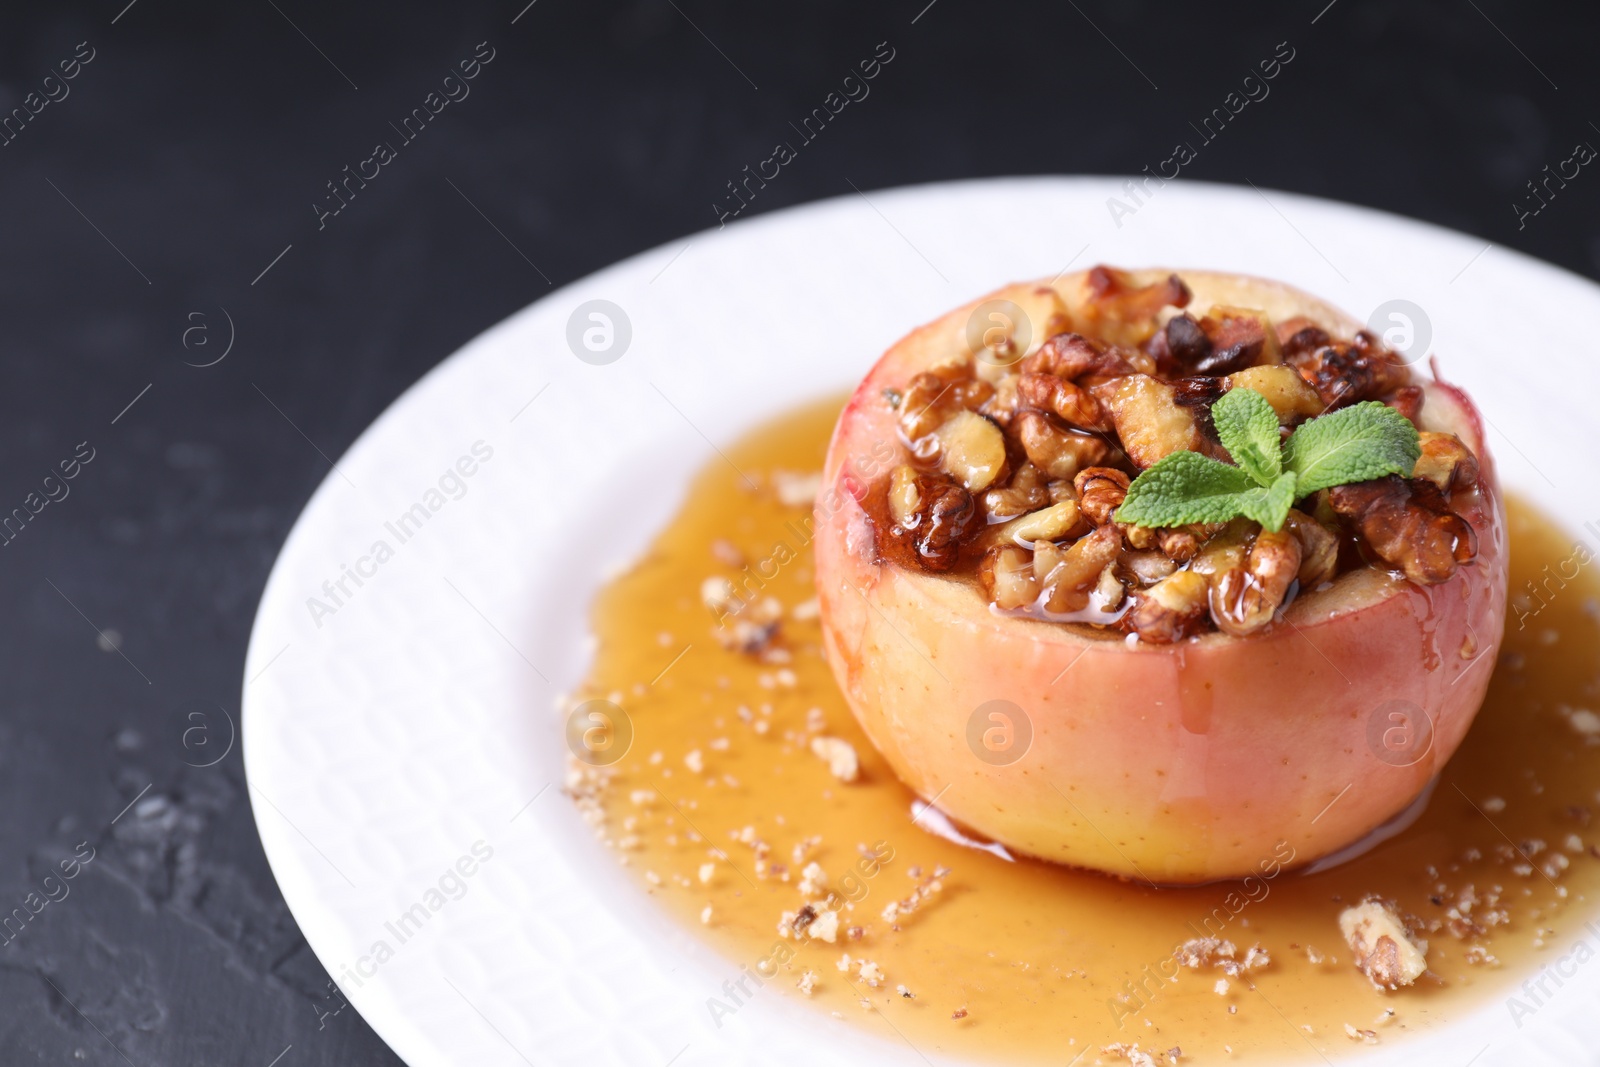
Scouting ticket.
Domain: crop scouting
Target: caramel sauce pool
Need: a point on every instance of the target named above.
(1026, 962)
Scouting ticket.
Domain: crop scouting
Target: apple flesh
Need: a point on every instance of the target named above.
(1177, 763)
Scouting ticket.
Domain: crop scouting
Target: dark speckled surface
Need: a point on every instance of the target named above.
(186, 155)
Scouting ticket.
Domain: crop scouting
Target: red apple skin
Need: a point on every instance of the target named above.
(1170, 764)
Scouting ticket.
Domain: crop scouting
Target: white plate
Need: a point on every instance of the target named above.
(384, 739)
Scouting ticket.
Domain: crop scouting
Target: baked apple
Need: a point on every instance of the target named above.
(1172, 576)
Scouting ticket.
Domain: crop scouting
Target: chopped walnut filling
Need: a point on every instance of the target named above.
(1017, 466)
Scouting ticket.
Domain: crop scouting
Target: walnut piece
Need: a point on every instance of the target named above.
(904, 497)
(1344, 373)
(1446, 462)
(1150, 422)
(1072, 405)
(1071, 357)
(1408, 524)
(1058, 452)
(1048, 524)
(1101, 491)
(1068, 576)
(1027, 492)
(1319, 549)
(1384, 950)
(971, 450)
(1171, 609)
(1008, 578)
(1288, 393)
(1240, 338)
(941, 517)
(1245, 598)
(1147, 567)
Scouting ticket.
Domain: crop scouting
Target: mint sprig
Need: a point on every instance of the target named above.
(1355, 444)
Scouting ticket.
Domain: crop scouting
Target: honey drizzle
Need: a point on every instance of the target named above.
(1025, 962)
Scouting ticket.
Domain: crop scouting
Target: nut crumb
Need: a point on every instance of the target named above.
(825, 926)
(705, 915)
(726, 553)
(813, 880)
(840, 756)
(1369, 1037)
(1132, 1053)
(796, 490)
(807, 983)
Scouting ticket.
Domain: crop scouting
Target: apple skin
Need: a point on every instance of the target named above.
(1173, 764)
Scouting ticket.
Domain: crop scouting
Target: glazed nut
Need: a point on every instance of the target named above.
(1240, 338)
(1408, 524)
(1142, 538)
(1148, 568)
(972, 450)
(1059, 453)
(1179, 543)
(1225, 550)
(1049, 524)
(1408, 401)
(1171, 609)
(923, 405)
(1070, 356)
(1344, 373)
(1149, 421)
(1288, 393)
(1074, 406)
(944, 516)
(1026, 493)
(1109, 590)
(1384, 949)
(1047, 556)
(904, 498)
(1101, 491)
(1244, 599)
(1006, 574)
(1446, 462)
(971, 394)
(1068, 576)
(1002, 405)
(1319, 550)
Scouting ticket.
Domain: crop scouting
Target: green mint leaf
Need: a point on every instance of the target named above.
(1355, 444)
(1270, 506)
(1248, 427)
(1186, 487)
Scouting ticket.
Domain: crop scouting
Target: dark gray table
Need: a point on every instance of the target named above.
(164, 199)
